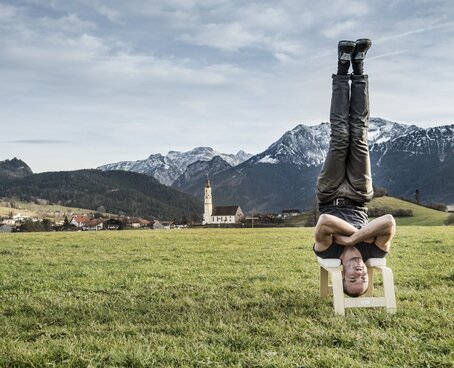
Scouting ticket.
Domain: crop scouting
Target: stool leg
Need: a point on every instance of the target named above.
(324, 288)
(388, 286)
(338, 291)
(370, 288)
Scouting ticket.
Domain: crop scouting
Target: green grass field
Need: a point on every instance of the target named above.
(214, 298)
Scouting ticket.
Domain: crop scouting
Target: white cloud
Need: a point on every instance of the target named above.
(340, 29)
(226, 37)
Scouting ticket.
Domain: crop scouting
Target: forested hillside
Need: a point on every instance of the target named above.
(119, 192)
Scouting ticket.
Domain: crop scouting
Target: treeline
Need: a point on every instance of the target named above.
(396, 212)
(35, 226)
(120, 192)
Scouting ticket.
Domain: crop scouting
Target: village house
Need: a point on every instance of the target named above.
(138, 223)
(20, 218)
(9, 222)
(112, 224)
(219, 214)
(93, 225)
(290, 213)
(80, 221)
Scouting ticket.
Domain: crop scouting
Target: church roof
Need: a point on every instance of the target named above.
(225, 210)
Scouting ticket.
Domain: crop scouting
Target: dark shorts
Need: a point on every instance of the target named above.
(367, 250)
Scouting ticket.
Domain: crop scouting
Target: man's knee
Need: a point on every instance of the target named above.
(390, 222)
(324, 220)
(358, 134)
(340, 137)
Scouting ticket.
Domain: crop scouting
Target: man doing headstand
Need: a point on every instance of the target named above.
(344, 185)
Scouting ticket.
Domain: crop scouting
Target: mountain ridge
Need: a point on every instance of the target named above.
(167, 169)
(284, 175)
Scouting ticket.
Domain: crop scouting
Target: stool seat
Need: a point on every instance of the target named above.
(331, 266)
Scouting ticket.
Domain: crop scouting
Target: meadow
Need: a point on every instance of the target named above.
(214, 298)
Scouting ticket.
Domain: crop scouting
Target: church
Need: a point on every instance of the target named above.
(219, 214)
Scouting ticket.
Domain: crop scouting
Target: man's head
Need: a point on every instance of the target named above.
(355, 277)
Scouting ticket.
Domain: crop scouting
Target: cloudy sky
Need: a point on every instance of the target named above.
(89, 82)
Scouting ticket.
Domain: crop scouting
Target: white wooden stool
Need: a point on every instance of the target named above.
(331, 266)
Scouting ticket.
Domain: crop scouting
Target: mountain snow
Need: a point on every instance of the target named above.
(437, 140)
(166, 169)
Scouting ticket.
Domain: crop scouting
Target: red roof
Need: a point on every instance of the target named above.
(81, 219)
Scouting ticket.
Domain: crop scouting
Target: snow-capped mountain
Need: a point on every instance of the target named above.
(381, 130)
(308, 145)
(437, 141)
(422, 159)
(303, 145)
(168, 168)
(403, 157)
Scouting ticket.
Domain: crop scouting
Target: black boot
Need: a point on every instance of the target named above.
(362, 45)
(344, 52)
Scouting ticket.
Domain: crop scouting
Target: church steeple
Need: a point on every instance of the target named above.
(208, 203)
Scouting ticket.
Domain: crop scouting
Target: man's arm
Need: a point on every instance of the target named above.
(329, 225)
(380, 231)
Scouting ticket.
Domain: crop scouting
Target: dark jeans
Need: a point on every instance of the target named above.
(346, 172)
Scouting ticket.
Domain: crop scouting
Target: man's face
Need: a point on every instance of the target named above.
(356, 279)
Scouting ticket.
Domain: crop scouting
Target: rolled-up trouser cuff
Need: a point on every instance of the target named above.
(359, 77)
(340, 78)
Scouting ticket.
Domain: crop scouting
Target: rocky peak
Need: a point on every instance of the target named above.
(14, 168)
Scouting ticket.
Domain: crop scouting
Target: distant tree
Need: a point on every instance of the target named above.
(66, 223)
(194, 218)
(417, 195)
(101, 209)
(122, 225)
(46, 225)
(450, 220)
(380, 192)
(31, 226)
(438, 206)
(314, 214)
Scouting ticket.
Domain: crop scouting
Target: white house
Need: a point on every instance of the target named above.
(219, 214)
(80, 221)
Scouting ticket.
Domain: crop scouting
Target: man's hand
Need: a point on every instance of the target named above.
(344, 240)
(328, 225)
